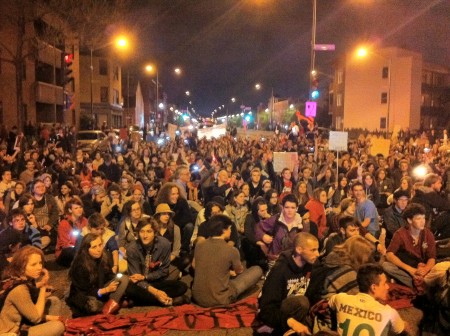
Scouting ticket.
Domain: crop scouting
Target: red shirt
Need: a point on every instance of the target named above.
(66, 238)
(402, 245)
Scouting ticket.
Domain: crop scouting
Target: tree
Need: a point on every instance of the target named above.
(19, 17)
(91, 22)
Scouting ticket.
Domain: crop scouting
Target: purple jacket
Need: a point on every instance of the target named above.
(283, 237)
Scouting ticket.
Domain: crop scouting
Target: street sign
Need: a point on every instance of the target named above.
(324, 47)
(311, 109)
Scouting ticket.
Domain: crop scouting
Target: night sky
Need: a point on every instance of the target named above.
(225, 47)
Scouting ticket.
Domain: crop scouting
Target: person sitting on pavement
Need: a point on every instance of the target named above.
(392, 216)
(94, 286)
(170, 194)
(348, 227)
(112, 206)
(215, 263)
(167, 229)
(98, 225)
(366, 211)
(18, 234)
(148, 264)
(411, 255)
(69, 230)
(28, 278)
(337, 273)
(276, 234)
(374, 318)
(282, 302)
(45, 210)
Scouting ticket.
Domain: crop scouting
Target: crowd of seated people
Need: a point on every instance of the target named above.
(129, 224)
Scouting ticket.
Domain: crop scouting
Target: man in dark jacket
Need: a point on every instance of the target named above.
(428, 195)
(111, 170)
(282, 303)
(392, 216)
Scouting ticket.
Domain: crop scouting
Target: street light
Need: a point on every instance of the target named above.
(152, 69)
(257, 86)
(362, 53)
(121, 43)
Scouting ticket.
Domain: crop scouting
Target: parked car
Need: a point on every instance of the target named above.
(89, 141)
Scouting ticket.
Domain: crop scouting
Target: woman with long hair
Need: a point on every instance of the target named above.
(26, 296)
(273, 202)
(94, 287)
(301, 192)
(171, 232)
(112, 206)
(65, 195)
(316, 207)
(371, 189)
(336, 195)
(237, 211)
(13, 195)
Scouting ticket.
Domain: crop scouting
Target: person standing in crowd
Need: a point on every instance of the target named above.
(27, 275)
(282, 302)
(213, 262)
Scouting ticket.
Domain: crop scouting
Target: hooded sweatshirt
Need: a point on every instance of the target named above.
(284, 279)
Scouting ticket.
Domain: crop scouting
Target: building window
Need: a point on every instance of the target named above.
(384, 98)
(385, 72)
(340, 76)
(104, 94)
(382, 123)
(331, 101)
(116, 73)
(339, 99)
(103, 67)
(115, 97)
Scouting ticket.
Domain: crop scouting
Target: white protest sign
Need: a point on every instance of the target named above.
(212, 132)
(338, 141)
(283, 160)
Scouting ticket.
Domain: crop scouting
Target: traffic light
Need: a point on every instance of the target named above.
(314, 91)
(67, 68)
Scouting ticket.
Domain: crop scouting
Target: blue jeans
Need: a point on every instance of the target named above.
(398, 274)
(246, 280)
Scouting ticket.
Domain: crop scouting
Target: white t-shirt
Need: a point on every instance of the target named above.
(362, 315)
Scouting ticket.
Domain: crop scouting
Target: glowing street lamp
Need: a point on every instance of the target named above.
(120, 43)
(257, 86)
